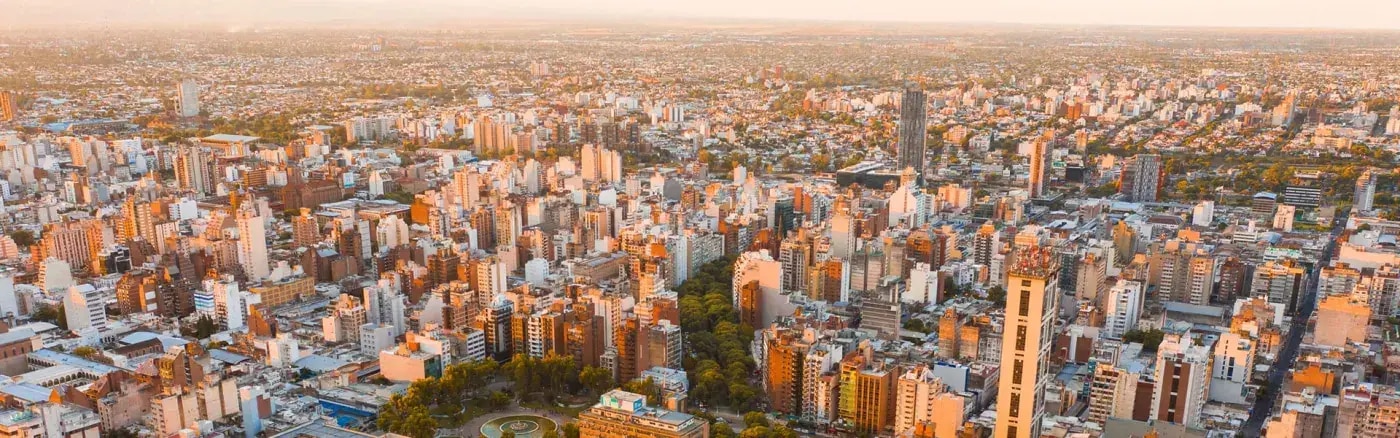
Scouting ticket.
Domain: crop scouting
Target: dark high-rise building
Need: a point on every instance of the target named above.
(912, 131)
(1141, 179)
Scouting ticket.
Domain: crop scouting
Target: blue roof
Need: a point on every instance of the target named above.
(227, 357)
(165, 341)
(28, 392)
(320, 364)
(68, 359)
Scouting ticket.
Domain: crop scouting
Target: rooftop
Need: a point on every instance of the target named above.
(230, 138)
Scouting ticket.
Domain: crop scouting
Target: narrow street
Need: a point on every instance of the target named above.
(1288, 354)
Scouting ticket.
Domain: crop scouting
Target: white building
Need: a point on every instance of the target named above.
(188, 98)
(375, 338)
(384, 307)
(922, 399)
(536, 270)
(1283, 218)
(84, 309)
(1122, 308)
(1234, 363)
(1203, 214)
(1183, 377)
(252, 244)
(283, 350)
(392, 232)
(923, 285)
(759, 268)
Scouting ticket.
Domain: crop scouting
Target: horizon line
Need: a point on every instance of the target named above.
(445, 24)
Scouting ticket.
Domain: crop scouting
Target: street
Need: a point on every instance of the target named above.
(1264, 405)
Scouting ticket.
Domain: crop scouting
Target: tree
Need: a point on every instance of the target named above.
(596, 379)
(756, 432)
(722, 430)
(205, 327)
(507, 434)
(1150, 339)
(47, 313)
(752, 419)
(120, 433)
(570, 430)
(23, 238)
(550, 434)
(647, 388)
(419, 425)
(86, 352)
(741, 395)
(997, 294)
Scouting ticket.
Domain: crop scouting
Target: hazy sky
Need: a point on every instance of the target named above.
(1382, 14)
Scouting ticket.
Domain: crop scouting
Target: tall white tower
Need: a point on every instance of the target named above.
(252, 243)
(188, 100)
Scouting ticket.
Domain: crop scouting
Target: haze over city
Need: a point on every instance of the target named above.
(717, 219)
(1341, 14)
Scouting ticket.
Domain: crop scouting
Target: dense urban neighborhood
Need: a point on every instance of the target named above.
(695, 229)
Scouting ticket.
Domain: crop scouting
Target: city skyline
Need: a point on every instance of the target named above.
(377, 219)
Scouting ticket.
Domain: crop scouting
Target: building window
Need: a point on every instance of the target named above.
(1015, 405)
(1021, 338)
(1025, 302)
(1016, 370)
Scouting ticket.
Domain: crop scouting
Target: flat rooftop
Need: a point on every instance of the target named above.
(230, 138)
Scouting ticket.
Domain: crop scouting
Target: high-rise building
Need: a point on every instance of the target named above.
(306, 231)
(663, 346)
(1032, 305)
(1114, 392)
(1233, 363)
(1090, 278)
(1282, 281)
(344, 321)
(384, 305)
(9, 107)
(627, 339)
(913, 127)
(623, 414)
(1122, 308)
(758, 288)
(796, 255)
(1369, 410)
(1263, 205)
(782, 374)
(187, 100)
(1347, 321)
(1039, 163)
(495, 323)
(137, 221)
(1203, 214)
(230, 304)
(85, 309)
(984, 244)
(1184, 271)
(1364, 199)
(362, 129)
(949, 333)
(252, 243)
(192, 170)
(1141, 178)
(819, 381)
(925, 407)
(867, 391)
(1183, 379)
